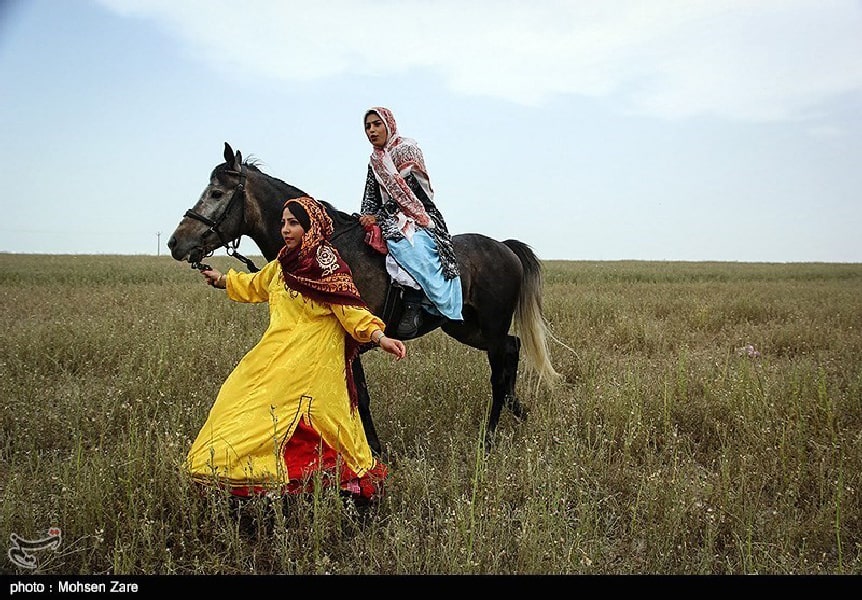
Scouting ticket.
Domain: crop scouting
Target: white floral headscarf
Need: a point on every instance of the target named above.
(398, 154)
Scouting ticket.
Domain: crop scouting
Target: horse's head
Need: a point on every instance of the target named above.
(217, 218)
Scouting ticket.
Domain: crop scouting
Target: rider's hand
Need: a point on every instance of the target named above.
(367, 220)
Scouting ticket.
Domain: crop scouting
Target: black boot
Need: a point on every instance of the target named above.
(411, 318)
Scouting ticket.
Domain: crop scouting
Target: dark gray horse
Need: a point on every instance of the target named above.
(502, 281)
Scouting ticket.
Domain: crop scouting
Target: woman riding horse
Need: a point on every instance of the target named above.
(398, 198)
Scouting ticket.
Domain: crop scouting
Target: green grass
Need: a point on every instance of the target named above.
(666, 451)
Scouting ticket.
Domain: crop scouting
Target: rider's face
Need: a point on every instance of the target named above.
(375, 130)
(291, 230)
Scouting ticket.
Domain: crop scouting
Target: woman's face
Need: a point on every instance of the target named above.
(291, 230)
(375, 130)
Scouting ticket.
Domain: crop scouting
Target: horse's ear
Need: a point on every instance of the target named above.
(233, 159)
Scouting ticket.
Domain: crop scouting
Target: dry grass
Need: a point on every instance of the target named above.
(667, 451)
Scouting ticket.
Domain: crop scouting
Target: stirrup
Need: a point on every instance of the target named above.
(410, 320)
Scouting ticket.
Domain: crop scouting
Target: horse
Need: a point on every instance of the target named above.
(501, 281)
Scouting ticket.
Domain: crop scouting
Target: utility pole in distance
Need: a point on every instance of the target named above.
(158, 243)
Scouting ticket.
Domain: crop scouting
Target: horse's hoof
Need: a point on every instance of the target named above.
(516, 407)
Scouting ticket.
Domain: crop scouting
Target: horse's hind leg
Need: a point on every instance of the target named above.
(512, 357)
(364, 407)
(504, 373)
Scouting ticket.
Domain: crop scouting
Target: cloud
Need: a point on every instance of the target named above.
(769, 60)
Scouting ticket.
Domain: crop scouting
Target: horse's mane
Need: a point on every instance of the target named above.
(222, 171)
(252, 164)
(339, 217)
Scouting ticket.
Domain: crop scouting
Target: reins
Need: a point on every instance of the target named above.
(231, 245)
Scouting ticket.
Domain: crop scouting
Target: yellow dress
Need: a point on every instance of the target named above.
(295, 372)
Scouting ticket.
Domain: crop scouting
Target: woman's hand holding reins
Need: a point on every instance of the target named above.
(214, 278)
(367, 220)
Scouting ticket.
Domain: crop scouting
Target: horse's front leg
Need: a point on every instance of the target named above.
(364, 401)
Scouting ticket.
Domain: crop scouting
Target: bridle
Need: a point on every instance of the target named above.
(238, 197)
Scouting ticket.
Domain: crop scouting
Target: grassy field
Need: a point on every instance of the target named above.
(670, 449)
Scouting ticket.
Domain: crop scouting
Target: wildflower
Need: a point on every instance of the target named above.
(748, 350)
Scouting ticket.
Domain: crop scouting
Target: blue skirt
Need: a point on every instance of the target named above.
(421, 260)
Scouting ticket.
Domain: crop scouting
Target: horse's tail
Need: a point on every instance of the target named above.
(529, 322)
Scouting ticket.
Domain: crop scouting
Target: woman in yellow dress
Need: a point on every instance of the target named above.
(288, 409)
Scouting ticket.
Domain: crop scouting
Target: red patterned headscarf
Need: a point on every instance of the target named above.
(315, 268)
(317, 271)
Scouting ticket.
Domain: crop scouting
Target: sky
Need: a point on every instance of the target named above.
(671, 130)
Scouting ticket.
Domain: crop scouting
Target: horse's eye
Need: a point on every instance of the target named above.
(216, 194)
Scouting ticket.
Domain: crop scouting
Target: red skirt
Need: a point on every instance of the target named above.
(306, 454)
